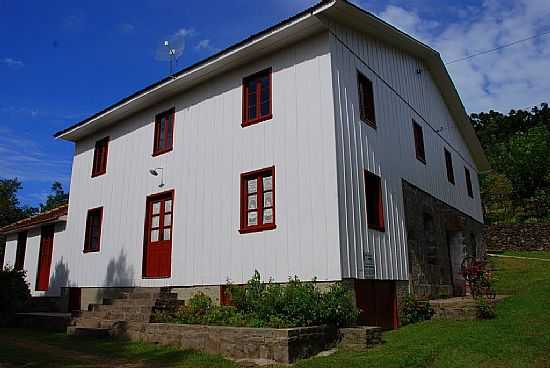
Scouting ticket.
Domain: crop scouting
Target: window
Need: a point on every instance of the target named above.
(93, 230)
(449, 165)
(99, 166)
(258, 200)
(419, 142)
(469, 182)
(164, 132)
(21, 248)
(257, 98)
(375, 206)
(366, 100)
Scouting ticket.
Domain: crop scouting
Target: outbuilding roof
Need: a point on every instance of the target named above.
(305, 23)
(51, 216)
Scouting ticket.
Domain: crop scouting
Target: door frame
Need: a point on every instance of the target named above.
(149, 198)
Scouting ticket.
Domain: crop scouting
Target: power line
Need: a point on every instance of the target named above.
(498, 48)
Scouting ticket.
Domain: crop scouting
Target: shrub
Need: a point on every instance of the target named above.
(259, 304)
(413, 310)
(485, 309)
(14, 294)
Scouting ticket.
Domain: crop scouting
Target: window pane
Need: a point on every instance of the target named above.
(265, 96)
(162, 127)
(252, 108)
(155, 221)
(154, 235)
(252, 218)
(156, 208)
(252, 186)
(268, 216)
(268, 183)
(252, 202)
(268, 199)
(167, 234)
(168, 205)
(169, 126)
(167, 220)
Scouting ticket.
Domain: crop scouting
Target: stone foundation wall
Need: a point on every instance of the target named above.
(281, 345)
(517, 237)
(439, 236)
(359, 338)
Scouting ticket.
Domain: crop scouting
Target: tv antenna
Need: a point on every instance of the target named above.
(171, 50)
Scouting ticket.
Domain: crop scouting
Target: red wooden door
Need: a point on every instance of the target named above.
(45, 258)
(158, 235)
(377, 302)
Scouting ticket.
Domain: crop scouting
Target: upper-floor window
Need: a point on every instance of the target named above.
(258, 200)
(366, 100)
(21, 249)
(99, 166)
(469, 187)
(257, 98)
(375, 205)
(419, 142)
(449, 166)
(92, 237)
(164, 132)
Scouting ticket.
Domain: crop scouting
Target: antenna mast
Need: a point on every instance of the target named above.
(171, 56)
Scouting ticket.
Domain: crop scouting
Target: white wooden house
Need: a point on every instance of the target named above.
(329, 146)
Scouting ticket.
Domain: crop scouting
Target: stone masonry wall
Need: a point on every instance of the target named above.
(517, 237)
(431, 226)
(281, 345)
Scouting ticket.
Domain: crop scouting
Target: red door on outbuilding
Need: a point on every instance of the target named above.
(158, 235)
(377, 302)
(45, 258)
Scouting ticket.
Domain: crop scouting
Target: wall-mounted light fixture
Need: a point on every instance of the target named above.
(155, 172)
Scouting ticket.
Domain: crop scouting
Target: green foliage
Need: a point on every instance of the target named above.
(14, 293)
(518, 190)
(485, 309)
(413, 310)
(10, 207)
(261, 304)
(57, 197)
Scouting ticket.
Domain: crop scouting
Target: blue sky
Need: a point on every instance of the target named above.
(61, 61)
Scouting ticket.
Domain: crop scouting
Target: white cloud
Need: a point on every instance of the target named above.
(176, 42)
(204, 45)
(126, 28)
(513, 77)
(12, 63)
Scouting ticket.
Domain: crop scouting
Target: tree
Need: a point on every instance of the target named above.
(56, 199)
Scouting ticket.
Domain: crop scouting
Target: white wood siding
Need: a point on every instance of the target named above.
(58, 269)
(389, 150)
(211, 150)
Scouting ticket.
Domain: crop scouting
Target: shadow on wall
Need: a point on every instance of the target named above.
(59, 279)
(119, 274)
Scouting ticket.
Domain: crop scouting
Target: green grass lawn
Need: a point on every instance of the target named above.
(518, 337)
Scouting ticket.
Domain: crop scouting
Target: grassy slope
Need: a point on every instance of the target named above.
(518, 337)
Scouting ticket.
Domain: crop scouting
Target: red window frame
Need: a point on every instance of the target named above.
(21, 249)
(164, 128)
(101, 150)
(256, 79)
(365, 91)
(469, 187)
(89, 235)
(374, 201)
(260, 207)
(419, 142)
(449, 166)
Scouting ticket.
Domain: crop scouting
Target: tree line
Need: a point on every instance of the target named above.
(517, 189)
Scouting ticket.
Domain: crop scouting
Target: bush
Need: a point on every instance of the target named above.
(485, 309)
(413, 310)
(259, 304)
(14, 294)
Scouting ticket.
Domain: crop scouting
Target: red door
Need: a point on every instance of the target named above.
(158, 235)
(377, 302)
(45, 258)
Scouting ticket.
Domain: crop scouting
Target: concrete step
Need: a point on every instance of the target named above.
(88, 331)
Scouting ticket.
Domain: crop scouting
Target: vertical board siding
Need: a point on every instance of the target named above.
(388, 150)
(211, 150)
